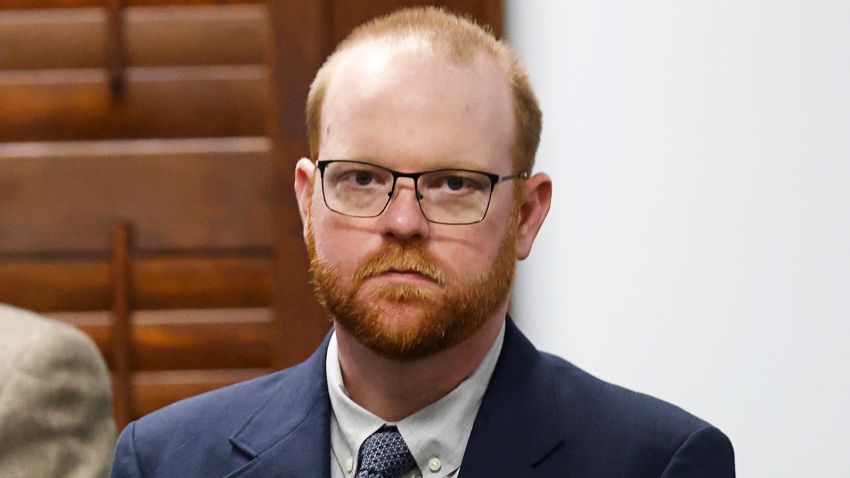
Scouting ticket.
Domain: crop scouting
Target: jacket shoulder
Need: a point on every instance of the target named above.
(642, 431)
(196, 433)
(577, 388)
(208, 416)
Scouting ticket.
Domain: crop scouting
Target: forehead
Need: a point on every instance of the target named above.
(410, 107)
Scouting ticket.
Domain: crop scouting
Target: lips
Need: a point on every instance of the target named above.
(405, 264)
(403, 271)
(408, 272)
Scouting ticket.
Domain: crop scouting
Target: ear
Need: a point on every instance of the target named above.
(535, 199)
(305, 173)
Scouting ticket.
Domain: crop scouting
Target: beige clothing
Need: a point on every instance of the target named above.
(55, 400)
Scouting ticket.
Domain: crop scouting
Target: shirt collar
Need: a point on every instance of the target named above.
(440, 430)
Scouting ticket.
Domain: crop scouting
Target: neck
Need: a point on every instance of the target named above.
(394, 389)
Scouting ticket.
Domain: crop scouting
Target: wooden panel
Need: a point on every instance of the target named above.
(185, 339)
(54, 286)
(199, 194)
(42, 105)
(347, 14)
(52, 39)
(155, 36)
(489, 13)
(33, 4)
(203, 282)
(196, 35)
(159, 283)
(154, 390)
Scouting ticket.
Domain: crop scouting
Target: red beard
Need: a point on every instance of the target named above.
(409, 321)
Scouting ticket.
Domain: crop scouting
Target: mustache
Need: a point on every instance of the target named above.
(398, 258)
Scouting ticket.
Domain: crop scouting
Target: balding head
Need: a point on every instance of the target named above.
(435, 32)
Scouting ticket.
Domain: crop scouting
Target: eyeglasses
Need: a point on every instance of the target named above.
(445, 196)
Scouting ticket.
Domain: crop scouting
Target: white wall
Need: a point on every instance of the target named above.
(698, 246)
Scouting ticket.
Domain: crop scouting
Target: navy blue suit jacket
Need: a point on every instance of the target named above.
(540, 417)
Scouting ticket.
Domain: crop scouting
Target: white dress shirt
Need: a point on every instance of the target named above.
(436, 434)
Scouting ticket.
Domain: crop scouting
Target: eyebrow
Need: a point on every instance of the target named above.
(439, 164)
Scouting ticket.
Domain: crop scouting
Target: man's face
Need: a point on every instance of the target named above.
(401, 285)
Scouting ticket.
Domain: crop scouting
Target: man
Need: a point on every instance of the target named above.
(55, 400)
(417, 202)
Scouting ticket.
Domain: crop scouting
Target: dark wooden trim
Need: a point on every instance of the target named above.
(300, 35)
(122, 343)
(116, 51)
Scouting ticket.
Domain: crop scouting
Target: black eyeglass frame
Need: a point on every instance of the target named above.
(494, 179)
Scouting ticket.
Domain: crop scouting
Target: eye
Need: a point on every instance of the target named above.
(455, 183)
(359, 178)
(363, 178)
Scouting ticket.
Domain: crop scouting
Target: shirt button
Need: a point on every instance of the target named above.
(349, 464)
(434, 464)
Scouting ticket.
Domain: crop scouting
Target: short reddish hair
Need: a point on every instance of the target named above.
(460, 38)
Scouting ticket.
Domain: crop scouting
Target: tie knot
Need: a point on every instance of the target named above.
(384, 455)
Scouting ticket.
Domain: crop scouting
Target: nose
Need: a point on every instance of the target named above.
(403, 219)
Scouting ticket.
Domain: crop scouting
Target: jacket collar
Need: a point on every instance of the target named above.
(289, 434)
(515, 431)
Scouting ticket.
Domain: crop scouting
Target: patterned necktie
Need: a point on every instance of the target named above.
(384, 455)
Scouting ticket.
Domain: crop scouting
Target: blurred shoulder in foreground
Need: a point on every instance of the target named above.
(55, 400)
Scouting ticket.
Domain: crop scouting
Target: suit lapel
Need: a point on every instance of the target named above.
(289, 436)
(515, 432)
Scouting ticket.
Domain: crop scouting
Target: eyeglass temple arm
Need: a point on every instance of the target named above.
(522, 175)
